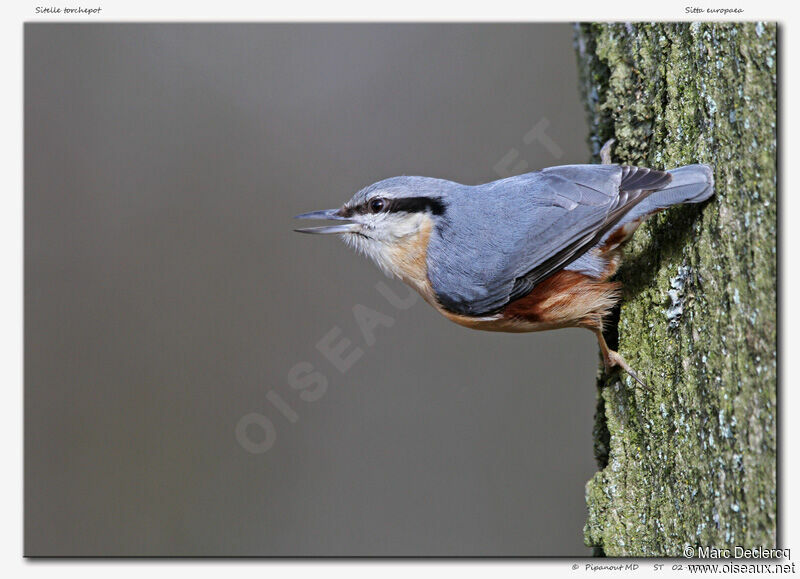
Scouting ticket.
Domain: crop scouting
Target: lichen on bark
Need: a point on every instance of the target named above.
(692, 462)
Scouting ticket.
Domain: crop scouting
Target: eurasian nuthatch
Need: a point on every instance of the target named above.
(523, 254)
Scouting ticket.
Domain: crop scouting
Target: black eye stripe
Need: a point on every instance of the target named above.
(401, 205)
(416, 205)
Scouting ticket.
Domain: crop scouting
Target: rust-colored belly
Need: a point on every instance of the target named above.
(565, 299)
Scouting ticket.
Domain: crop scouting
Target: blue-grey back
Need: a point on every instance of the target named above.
(493, 235)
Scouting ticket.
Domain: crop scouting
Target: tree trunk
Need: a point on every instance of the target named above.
(692, 462)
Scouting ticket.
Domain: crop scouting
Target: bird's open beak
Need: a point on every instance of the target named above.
(327, 214)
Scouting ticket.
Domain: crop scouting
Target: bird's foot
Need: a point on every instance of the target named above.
(605, 152)
(613, 359)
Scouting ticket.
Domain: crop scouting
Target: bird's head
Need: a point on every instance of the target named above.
(388, 221)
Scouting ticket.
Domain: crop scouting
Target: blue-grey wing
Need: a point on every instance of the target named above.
(498, 240)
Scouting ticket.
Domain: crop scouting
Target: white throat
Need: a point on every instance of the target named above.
(398, 246)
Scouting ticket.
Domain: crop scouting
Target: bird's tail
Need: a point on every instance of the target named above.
(690, 184)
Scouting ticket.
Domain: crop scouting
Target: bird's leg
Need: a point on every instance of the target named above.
(612, 359)
(605, 152)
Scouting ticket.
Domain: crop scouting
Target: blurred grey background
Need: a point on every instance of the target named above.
(167, 298)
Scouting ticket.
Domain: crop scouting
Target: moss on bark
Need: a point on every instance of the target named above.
(694, 461)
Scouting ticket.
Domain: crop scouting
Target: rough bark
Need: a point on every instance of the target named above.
(694, 461)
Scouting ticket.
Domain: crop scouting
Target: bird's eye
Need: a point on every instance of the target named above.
(377, 205)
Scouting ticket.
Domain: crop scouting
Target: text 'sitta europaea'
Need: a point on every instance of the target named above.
(523, 254)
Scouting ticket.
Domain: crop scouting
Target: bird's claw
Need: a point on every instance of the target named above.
(615, 360)
(605, 152)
